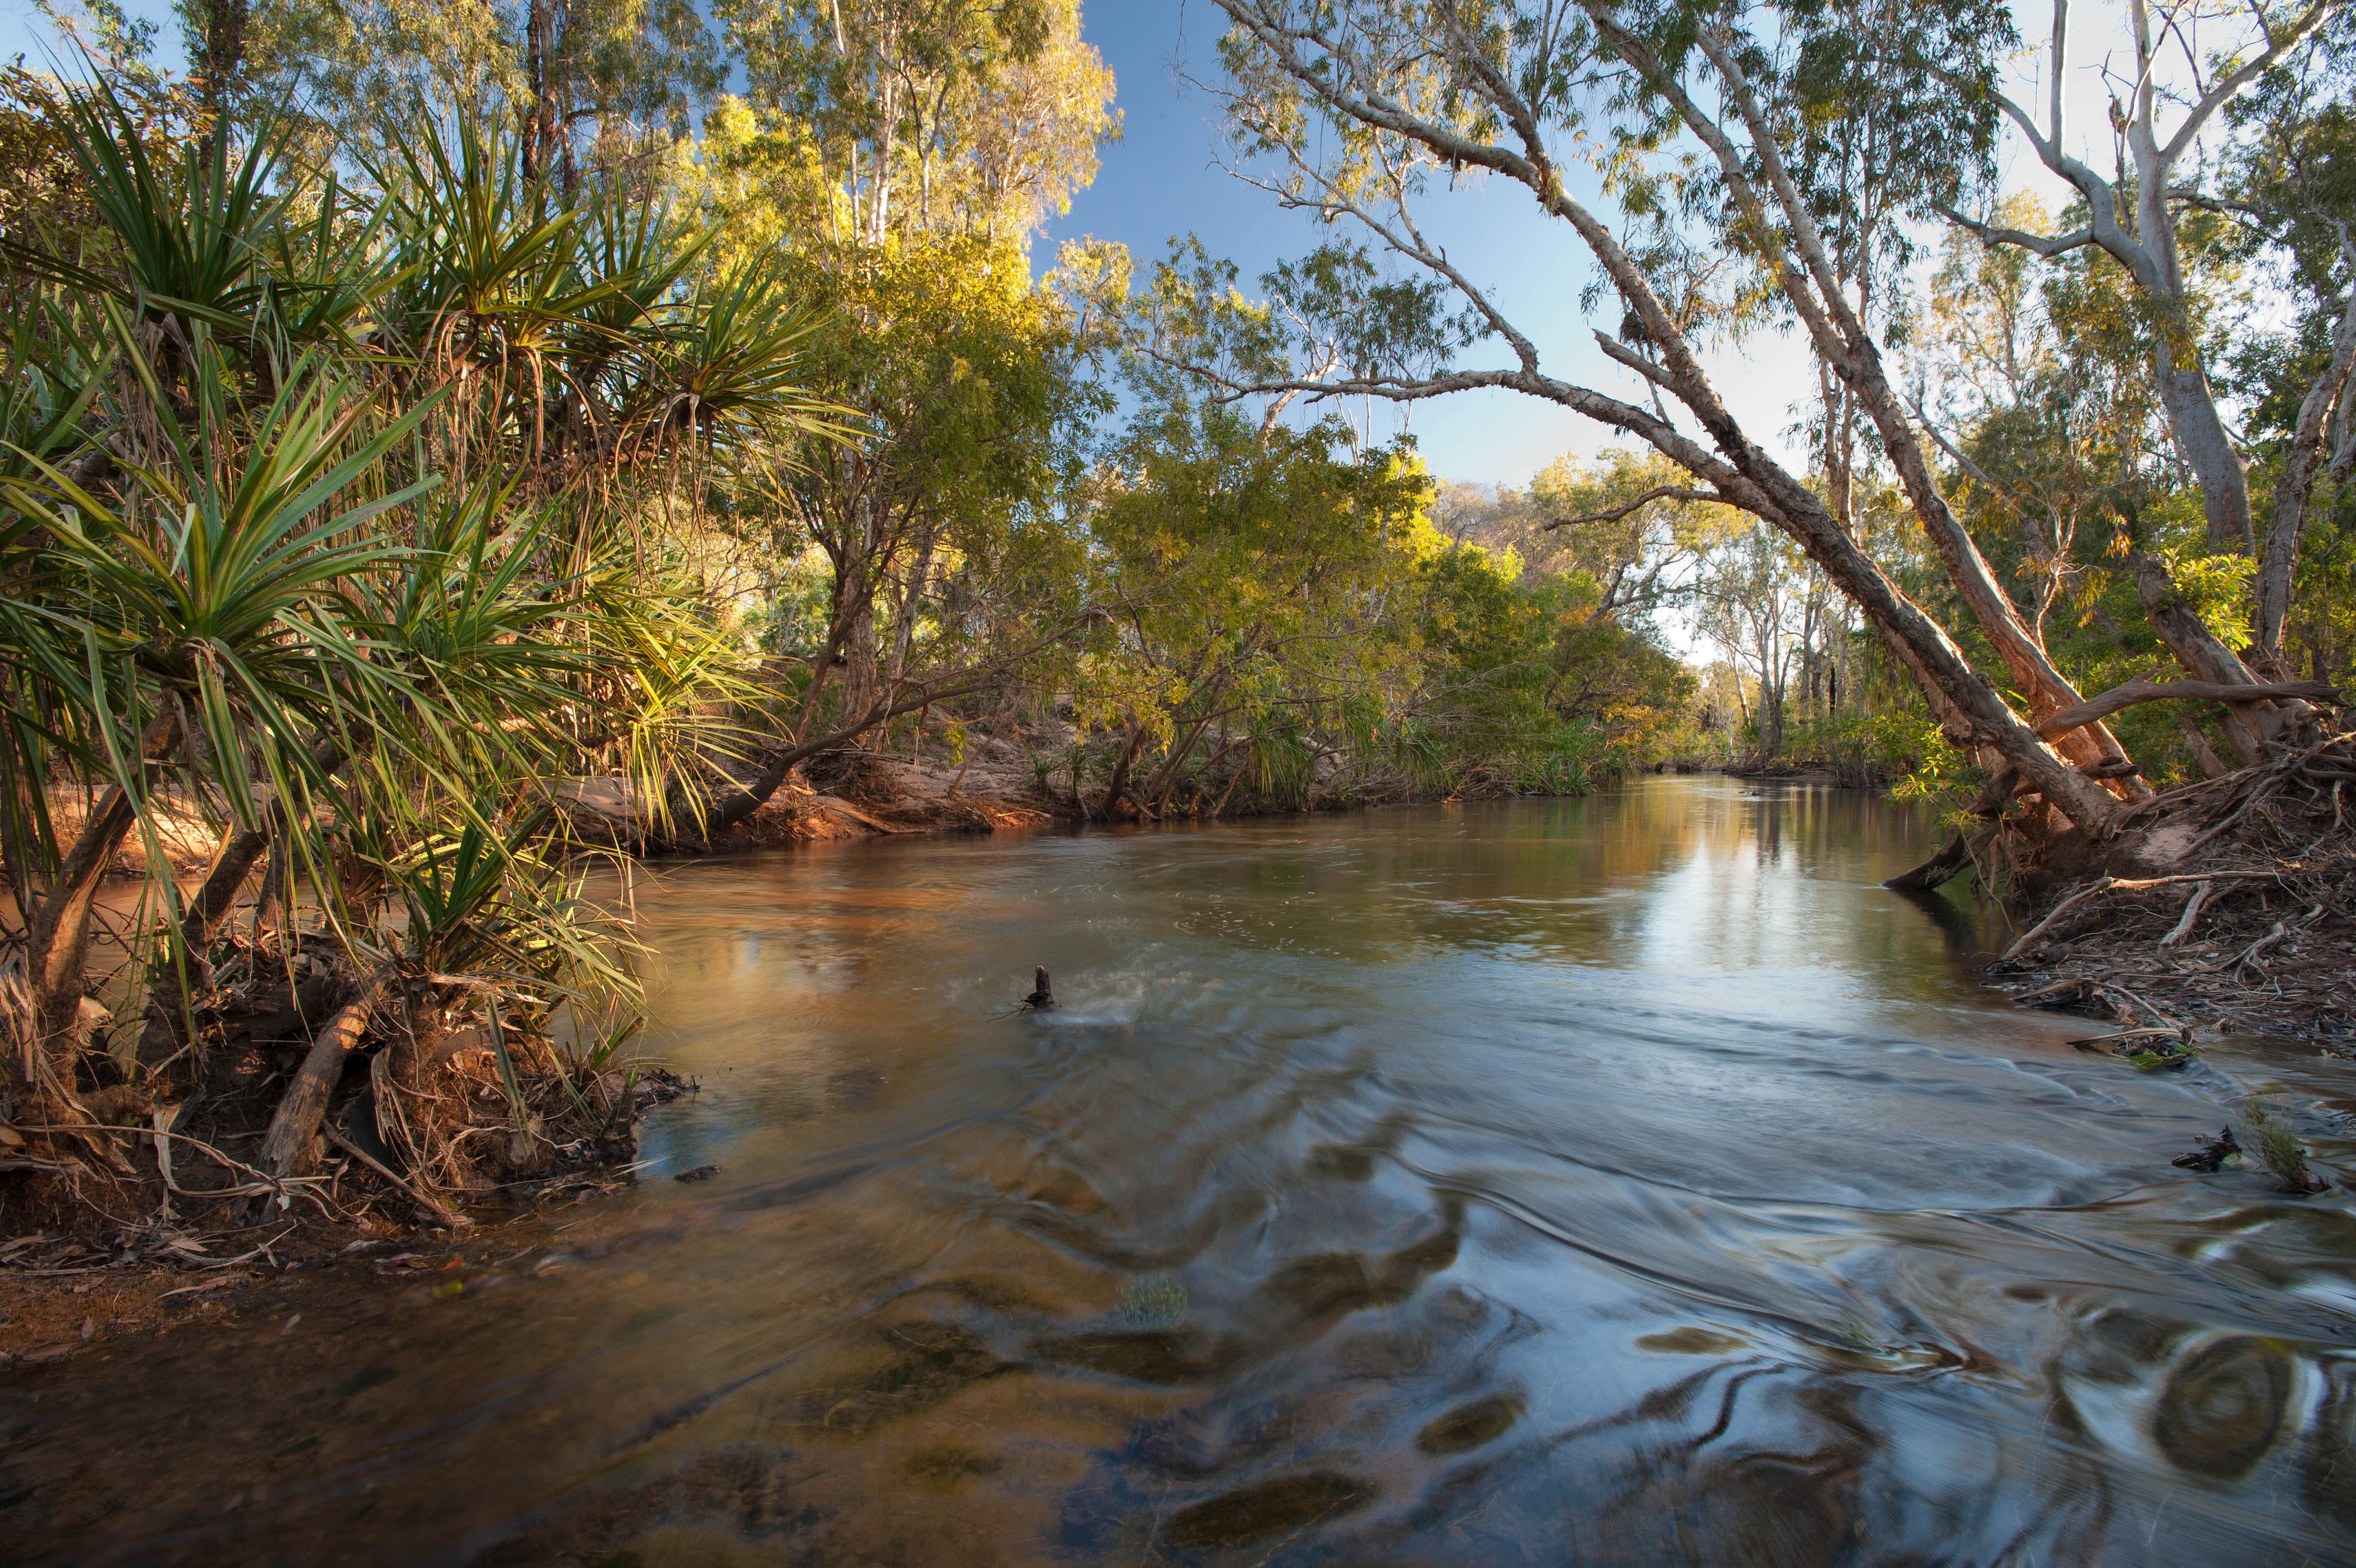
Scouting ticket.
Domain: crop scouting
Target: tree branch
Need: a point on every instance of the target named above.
(1658, 492)
(1996, 234)
(2135, 692)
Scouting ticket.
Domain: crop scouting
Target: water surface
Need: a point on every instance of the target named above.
(1620, 1181)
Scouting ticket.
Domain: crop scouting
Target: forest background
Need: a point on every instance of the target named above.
(415, 410)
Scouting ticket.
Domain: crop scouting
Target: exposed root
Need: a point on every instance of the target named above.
(445, 1094)
(2232, 900)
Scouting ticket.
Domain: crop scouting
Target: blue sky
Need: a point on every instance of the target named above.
(1163, 179)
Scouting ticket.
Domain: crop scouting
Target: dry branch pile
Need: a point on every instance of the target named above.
(2231, 900)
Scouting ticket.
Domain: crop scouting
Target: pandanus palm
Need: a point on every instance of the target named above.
(294, 545)
(194, 617)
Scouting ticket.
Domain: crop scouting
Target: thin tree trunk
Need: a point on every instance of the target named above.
(1165, 778)
(2178, 373)
(200, 921)
(1118, 784)
(2246, 726)
(57, 946)
(2204, 755)
(1845, 342)
(2278, 565)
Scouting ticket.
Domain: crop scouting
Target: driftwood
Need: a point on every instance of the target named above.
(2259, 935)
(2183, 927)
(287, 1147)
(1951, 859)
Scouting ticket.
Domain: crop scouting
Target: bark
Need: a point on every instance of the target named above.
(57, 946)
(2201, 439)
(2279, 564)
(286, 1149)
(858, 671)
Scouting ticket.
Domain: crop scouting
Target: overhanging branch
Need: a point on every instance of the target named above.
(2139, 692)
(1658, 492)
(2039, 244)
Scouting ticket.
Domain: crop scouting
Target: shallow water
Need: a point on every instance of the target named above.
(1626, 1180)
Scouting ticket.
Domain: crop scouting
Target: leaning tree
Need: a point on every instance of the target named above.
(1698, 127)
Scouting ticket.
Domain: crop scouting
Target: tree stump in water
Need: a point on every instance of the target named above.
(1043, 996)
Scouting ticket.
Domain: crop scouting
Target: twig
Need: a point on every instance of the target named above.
(455, 1221)
(264, 1182)
(2255, 948)
(262, 1250)
(135, 1131)
(1658, 492)
(2191, 913)
(2169, 1021)
(2150, 1033)
(2256, 795)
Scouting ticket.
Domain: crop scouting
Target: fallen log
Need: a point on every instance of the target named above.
(286, 1148)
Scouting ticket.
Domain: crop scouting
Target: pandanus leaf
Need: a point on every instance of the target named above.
(189, 230)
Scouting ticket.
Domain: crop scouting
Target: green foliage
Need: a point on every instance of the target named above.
(378, 596)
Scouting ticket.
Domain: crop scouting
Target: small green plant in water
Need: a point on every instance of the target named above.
(2166, 1056)
(1156, 1301)
(2266, 1134)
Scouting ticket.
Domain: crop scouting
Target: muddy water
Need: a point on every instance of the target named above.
(1628, 1180)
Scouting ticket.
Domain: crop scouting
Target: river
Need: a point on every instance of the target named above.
(1624, 1180)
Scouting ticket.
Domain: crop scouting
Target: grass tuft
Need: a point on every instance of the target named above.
(2266, 1132)
(1155, 1301)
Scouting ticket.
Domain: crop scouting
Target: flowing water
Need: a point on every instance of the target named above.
(1619, 1181)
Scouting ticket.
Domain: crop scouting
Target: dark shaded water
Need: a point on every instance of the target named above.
(1628, 1180)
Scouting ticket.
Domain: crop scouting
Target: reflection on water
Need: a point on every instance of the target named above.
(1628, 1180)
